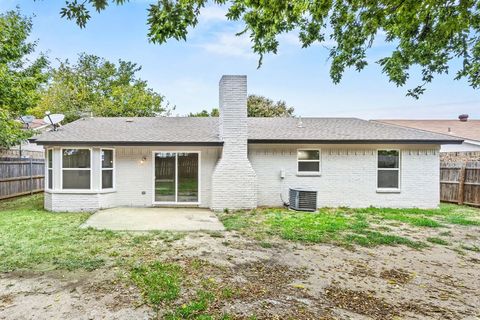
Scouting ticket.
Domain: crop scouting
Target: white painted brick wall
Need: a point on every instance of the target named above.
(47, 201)
(132, 177)
(348, 175)
(234, 180)
(74, 202)
(348, 178)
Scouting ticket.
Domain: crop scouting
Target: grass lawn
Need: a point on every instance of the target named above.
(167, 187)
(346, 226)
(32, 238)
(178, 286)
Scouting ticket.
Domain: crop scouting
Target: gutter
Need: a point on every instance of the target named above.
(415, 141)
(125, 143)
(250, 141)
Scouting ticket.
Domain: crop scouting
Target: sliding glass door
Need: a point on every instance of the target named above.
(187, 186)
(176, 177)
(165, 177)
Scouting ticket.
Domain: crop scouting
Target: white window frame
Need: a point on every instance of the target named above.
(112, 169)
(399, 169)
(89, 169)
(199, 201)
(310, 173)
(47, 169)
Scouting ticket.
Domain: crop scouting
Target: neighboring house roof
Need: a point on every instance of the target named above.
(38, 124)
(35, 124)
(191, 130)
(469, 130)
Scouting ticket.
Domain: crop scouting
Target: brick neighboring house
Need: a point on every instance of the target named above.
(238, 162)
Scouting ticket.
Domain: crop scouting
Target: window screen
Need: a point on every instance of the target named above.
(308, 161)
(76, 169)
(388, 169)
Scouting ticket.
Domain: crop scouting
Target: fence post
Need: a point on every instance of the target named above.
(461, 184)
(31, 176)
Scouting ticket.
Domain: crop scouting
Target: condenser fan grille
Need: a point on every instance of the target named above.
(303, 200)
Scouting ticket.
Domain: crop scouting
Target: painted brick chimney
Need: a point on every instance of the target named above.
(234, 184)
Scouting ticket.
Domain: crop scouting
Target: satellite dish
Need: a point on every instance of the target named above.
(27, 120)
(54, 119)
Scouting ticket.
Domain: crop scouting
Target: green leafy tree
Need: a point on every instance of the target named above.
(101, 88)
(11, 132)
(424, 34)
(21, 76)
(205, 113)
(257, 106)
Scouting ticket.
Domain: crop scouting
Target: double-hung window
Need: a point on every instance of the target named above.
(308, 161)
(388, 169)
(76, 169)
(107, 168)
(50, 169)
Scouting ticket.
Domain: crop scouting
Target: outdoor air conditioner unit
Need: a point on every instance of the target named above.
(302, 200)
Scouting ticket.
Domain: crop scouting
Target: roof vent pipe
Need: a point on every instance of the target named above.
(300, 122)
(463, 117)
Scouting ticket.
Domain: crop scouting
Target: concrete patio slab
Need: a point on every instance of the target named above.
(146, 219)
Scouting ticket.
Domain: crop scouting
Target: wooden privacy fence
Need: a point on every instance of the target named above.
(460, 182)
(187, 168)
(21, 176)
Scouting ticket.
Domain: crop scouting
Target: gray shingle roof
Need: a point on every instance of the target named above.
(186, 130)
(136, 130)
(335, 129)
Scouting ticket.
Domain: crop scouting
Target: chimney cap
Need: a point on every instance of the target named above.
(463, 117)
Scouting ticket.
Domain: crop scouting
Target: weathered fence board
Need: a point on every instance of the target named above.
(460, 182)
(21, 176)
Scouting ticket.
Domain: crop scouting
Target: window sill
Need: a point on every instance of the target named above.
(308, 174)
(389, 190)
(81, 191)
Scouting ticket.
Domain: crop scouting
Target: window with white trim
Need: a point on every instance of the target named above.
(76, 169)
(107, 168)
(308, 161)
(388, 169)
(50, 169)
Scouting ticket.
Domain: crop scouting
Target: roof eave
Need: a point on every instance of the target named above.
(356, 141)
(252, 141)
(127, 143)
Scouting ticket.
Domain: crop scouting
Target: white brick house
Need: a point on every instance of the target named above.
(238, 162)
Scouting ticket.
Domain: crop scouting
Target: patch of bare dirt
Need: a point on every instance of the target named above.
(122, 295)
(368, 304)
(413, 289)
(474, 260)
(264, 289)
(396, 276)
(361, 270)
(5, 300)
(361, 302)
(283, 281)
(68, 295)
